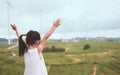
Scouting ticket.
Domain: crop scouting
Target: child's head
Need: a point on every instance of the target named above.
(32, 39)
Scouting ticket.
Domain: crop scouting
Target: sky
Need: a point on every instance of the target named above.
(80, 18)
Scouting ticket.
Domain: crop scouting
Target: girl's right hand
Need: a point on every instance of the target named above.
(13, 27)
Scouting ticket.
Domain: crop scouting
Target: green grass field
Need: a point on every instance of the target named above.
(104, 56)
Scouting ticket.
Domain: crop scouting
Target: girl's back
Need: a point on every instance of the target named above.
(34, 63)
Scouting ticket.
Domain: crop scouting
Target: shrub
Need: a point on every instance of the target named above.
(53, 49)
(86, 47)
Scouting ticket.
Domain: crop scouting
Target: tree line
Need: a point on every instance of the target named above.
(53, 49)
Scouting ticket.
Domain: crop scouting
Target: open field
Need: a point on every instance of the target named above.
(103, 58)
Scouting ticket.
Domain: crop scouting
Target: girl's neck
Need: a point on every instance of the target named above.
(31, 47)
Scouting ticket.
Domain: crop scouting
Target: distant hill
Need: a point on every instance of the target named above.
(15, 40)
(3, 40)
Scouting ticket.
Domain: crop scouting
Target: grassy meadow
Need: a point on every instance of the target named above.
(103, 58)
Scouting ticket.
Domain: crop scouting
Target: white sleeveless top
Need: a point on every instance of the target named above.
(34, 63)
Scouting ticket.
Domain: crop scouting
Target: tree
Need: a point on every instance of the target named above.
(86, 47)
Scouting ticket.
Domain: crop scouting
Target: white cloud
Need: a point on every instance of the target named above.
(77, 15)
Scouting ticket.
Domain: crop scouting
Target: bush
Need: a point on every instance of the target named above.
(53, 49)
(86, 47)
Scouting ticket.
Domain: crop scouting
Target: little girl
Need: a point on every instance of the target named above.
(32, 49)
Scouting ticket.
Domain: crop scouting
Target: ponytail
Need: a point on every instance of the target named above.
(22, 46)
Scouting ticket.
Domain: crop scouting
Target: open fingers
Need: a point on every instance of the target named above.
(13, 26)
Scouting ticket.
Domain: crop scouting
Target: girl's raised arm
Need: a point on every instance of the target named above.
(15, 29)
(48, 34)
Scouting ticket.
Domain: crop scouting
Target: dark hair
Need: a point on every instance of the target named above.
(31, 38)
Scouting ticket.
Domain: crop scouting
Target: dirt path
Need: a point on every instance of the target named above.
(73, 58)
(94, 69)
(13, 46)
(10, 49)
(76, 59)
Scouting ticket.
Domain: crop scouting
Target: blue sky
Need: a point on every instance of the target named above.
(80, 18)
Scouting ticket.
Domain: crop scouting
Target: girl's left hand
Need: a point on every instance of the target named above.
(57, 22)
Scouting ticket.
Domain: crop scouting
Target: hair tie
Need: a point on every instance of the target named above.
(24, 35)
